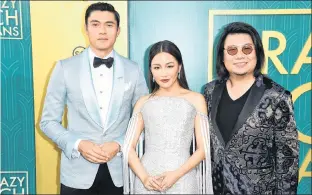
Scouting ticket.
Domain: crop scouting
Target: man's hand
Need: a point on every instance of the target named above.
(92, 152)
(110, 149)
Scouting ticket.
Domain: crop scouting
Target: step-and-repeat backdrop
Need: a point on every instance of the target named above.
(34, 35)
(285, 28)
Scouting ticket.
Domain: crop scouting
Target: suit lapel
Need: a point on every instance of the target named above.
(117, 92)
(87, 89)
(216, 96)
(252, 101)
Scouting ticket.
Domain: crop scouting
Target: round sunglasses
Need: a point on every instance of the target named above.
(232, 50)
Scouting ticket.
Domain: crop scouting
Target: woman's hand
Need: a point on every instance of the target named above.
(168, 179)
(151, 183)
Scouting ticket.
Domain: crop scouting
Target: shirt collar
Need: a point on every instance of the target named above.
(92, 55)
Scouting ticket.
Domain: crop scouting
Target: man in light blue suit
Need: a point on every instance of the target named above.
(99, 88)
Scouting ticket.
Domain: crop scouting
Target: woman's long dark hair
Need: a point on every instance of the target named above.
(235, 28)
(172, 49)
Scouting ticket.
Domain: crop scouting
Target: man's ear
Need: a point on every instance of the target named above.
(118, 31)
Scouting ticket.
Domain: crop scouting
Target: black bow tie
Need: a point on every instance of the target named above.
(99, 61)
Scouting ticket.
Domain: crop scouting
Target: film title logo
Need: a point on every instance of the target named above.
(11, 20)
(14, 182)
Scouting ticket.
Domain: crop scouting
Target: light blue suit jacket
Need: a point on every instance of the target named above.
(71, 85)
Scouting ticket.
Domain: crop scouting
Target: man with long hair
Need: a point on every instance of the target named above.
(253, 131)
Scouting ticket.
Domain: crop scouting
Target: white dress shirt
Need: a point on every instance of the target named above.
(102, 79)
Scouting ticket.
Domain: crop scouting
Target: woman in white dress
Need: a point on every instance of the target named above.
(164, 127)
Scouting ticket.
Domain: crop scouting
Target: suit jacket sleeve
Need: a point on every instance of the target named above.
(52, 113)
(287, 146)
(140, 90)
(206, 93)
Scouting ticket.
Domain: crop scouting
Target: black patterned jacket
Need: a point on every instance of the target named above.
(261, 156)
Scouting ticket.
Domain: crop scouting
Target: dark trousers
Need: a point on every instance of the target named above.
(102, 185)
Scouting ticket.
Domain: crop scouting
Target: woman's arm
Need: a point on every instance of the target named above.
(134, 131)
(199, 154)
